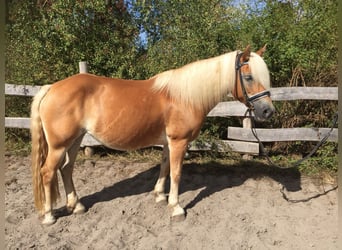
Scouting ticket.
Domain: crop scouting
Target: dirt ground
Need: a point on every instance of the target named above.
(227, 206)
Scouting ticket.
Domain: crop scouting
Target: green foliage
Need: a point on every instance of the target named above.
(325, 160)
(301, 37)
(47, 39)
(327, 156)
(17, 141)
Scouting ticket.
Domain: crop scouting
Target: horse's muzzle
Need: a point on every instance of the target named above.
(263, 109)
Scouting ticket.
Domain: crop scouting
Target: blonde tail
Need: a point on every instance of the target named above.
(39, 152)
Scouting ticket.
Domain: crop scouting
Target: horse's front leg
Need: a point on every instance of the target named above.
(177, 151)
(159, 188)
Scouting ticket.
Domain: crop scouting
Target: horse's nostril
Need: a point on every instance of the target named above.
(268, 112)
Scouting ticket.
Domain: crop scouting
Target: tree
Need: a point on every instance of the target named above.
(47, 39)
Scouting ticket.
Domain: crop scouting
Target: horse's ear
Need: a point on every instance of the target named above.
(261, 51)
(246, 54)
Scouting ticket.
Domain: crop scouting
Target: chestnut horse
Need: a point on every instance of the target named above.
(167, 109)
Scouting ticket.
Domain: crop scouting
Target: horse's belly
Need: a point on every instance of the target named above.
(129, 135)
(131, 142)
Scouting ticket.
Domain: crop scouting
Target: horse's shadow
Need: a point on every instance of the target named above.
(194, 177)
(236, 175)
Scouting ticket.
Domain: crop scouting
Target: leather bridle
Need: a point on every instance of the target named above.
(249, 99)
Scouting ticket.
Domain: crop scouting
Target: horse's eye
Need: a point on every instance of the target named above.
(248, 78)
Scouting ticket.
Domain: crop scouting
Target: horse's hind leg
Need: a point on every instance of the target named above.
(73, 204)
(50, 182)
(159, 188)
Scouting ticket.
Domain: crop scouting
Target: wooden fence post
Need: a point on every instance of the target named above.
(247, 123)
(88, 151)
(83, 67)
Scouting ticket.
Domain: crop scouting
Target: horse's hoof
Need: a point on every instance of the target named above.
(178, 218)
(160, 198)
(177, 214)
(49, 220)
(79, 209)
(161, 203)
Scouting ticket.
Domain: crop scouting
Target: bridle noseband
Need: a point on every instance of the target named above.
(249, 99)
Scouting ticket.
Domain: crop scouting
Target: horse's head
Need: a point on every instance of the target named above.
(252, 82)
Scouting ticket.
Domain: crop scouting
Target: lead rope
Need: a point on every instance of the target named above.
(297, 163)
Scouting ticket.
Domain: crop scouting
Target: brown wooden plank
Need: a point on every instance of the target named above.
(17, 122)
(21, 90)
(89, 140)
(225, 109)
(304, 93)
(235, 108)
(282, 134)
(226, 145)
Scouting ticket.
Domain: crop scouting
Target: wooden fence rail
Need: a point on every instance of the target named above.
(239, 139)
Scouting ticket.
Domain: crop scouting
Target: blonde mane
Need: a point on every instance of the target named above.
(203, 84)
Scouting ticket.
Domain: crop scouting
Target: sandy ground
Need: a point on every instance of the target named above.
(228, 207)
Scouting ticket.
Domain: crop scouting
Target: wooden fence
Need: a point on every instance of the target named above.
(239, 139)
